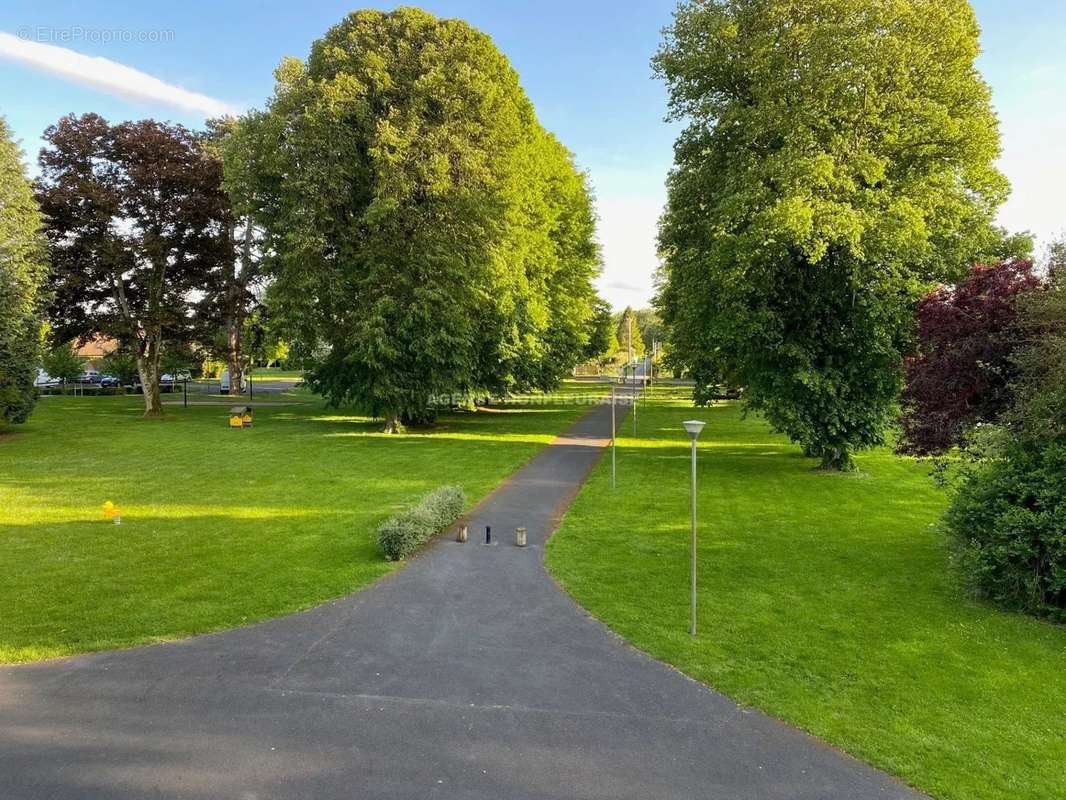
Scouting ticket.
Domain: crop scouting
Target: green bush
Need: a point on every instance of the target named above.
(62, 362)
(402, 534)
(122, 364)
(1009, 517)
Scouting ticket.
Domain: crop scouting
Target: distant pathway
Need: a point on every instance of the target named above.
(466, 675)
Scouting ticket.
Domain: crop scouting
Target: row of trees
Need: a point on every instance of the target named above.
(418, 232)
(618, 337)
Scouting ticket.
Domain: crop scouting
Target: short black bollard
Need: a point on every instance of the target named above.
(488, 534)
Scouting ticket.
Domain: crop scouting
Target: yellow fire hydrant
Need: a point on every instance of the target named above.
(112, 512)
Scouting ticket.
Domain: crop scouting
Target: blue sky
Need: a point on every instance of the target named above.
(584, 63)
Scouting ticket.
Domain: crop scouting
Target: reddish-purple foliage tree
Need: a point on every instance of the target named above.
(962, 372)
(138, 225)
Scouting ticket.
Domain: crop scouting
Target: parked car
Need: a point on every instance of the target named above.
(89, 376)
(169, 382)
(109, 382)
(44, 380)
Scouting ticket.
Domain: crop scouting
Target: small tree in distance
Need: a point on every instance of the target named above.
(62, 363)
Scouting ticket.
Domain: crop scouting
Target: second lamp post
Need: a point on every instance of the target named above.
(693, 428)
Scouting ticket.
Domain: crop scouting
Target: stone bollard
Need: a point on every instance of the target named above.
(462, 535)
(520, 537)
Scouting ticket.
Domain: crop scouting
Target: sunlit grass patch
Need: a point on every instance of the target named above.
(827, 600)
(219, 527)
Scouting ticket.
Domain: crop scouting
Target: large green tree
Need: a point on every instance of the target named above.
(424, 235)
(22, 272)
(838, 160)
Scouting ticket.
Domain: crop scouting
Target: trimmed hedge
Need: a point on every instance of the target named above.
(402, 534)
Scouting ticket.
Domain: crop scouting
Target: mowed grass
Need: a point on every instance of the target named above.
(276, 374)
(826, 600)
(219, 527)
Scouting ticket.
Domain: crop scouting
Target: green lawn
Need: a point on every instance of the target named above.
(274, 374)
(825, 600)
(219, 527)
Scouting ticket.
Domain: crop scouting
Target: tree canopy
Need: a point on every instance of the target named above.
(838, 160)
(426, 236)
(23, 266)
(138, 223)
(230, 302)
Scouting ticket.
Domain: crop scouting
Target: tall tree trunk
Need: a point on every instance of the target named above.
(235, 304)
(148, 370)
(837, 459)
(233, 353)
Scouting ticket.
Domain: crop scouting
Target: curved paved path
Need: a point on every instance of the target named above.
(466, 675)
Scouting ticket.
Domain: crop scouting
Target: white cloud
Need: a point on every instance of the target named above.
(107, 75)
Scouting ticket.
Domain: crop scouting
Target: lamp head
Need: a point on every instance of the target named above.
(693, 427)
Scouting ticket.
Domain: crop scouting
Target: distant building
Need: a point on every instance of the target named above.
(96, 348)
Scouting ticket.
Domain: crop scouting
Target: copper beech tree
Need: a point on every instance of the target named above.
(964, 369)
(138, 224)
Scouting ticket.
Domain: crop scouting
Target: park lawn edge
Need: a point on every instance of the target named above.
(383, 569)
(592, 580)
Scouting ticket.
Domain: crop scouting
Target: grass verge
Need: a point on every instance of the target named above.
(825, 600)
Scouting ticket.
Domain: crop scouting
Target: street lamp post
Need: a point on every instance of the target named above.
(633, 399)
(693, 428)
(613, 467)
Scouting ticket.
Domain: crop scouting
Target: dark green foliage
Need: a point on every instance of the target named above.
(62, 362)
(602, 340)
(22, 273)
(1009, 517)
(425, 235)
(1009, 511)
(122, 364)
(1040, 408)
(403, 534)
